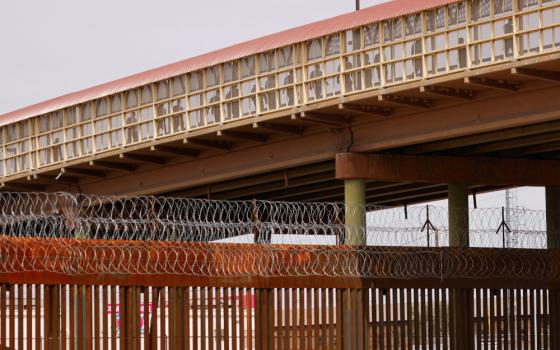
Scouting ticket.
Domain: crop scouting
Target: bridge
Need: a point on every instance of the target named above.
(380, 109)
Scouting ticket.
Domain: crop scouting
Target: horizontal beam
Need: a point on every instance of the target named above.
(280, 128)
(21, 187)
(491, 137)
(553, 76)
(532, 150)
(178, 151)
(331, 120)
(460, 94)
(363, 109)
(84, 172)
(143, 158)
(414, 102)
(218, 145)
(52, 179)
(440, 169)
(247, 136)
(503, 85)
(112, 165)
(505, 145)
(282, 186)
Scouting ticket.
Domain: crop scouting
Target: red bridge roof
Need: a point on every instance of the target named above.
(302, 33)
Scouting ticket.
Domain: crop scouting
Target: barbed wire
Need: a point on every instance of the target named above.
(79, 234)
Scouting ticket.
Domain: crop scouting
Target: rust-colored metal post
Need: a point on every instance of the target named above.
(54, 317)
(552, 217)
(553, 242)
(128, 312)
(460, 298)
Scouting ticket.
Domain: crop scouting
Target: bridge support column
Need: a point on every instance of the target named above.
(352, 306)
(461, 299)
(355, 213)
(553, 242)
(458, 202)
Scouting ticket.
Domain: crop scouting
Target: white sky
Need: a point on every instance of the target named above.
(48, 48)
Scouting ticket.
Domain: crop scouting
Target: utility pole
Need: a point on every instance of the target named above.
(357, 5)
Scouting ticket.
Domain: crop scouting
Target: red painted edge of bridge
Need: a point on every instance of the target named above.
(302, 33)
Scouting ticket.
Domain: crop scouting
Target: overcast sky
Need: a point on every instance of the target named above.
(49, 48)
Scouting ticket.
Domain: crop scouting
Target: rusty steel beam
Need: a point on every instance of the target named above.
(217, 145)
(504, 85)
(246, 136)
(442, 91)
(280, 128)
(331, 120)
(84, 172)
(362, 109)
(436, 193)
(51, 179)
(299, 185)
(112, 165)
(143, 158)
(261, 179)
(178, 151)
(406, 101)
(553, 76)
(21, 187)
(440, 169)
(505, 145)
(491, 137)
(439, 192)
(537, 149)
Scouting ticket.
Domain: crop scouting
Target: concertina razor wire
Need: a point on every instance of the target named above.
(78, 234)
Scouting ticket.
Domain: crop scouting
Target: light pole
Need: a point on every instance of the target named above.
(357, 5)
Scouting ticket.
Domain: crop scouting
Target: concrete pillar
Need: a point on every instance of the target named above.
(461, 300)
(355, 215)
(458, 198)
(552, 217)
(354, 304)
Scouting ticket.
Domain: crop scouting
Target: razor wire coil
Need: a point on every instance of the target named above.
(78, 234)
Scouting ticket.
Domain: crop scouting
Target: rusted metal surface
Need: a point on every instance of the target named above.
(448, 169)
(262, 313)
(375, 317)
